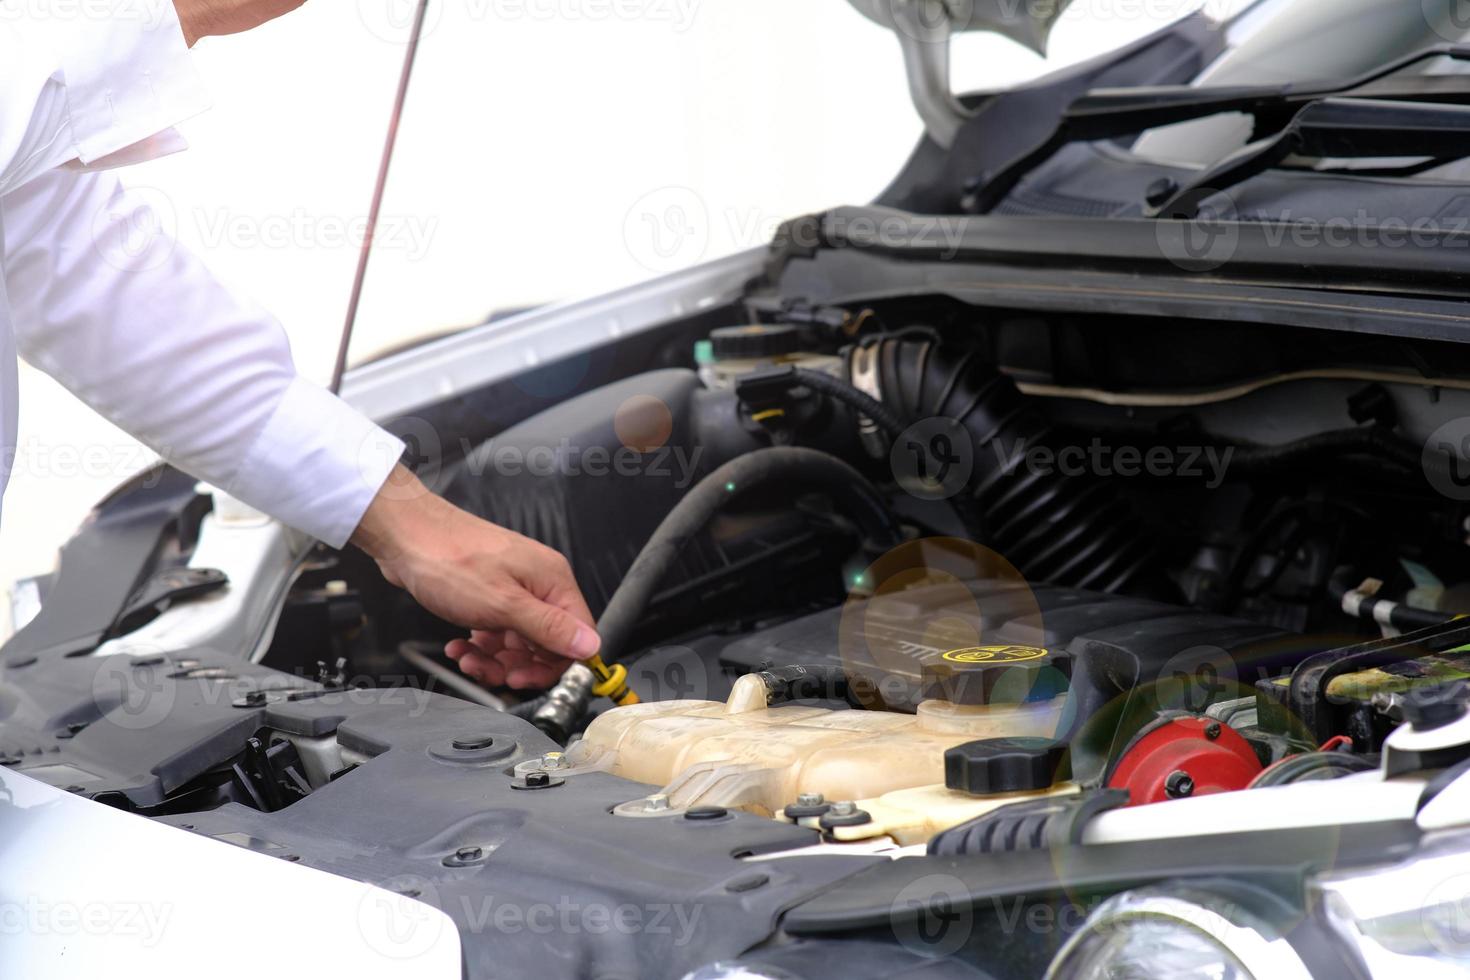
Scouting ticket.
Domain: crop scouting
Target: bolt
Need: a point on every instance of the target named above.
(843, 808)
(473, 743)
(537, 777)
(1179, 785)
(810, 799)
(468, 853)
(705, 813)
(656, 802)
(1160, 191)
(1212, 730)
(553, 760)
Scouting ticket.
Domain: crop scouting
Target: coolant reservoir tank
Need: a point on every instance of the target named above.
(745, 754)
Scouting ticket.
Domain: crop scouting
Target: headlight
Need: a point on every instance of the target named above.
(1177, 932)
(1410, 918)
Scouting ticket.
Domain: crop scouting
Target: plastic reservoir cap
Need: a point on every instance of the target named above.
(1005, 765)
(755, 341)
(997, 674)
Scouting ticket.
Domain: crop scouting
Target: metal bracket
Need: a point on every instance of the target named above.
(924, 29)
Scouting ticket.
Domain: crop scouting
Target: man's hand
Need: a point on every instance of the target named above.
(518, 597)
(210, 18)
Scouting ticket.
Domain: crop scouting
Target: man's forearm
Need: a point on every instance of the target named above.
(211, 18)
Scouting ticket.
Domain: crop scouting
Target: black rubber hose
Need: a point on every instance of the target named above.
(1400, 615)
(1052, 526)
(861, 401)
(1373, 441)
(802, 469)
(526, 709)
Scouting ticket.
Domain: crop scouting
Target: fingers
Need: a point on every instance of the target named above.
(532, 675)
(485, 669)
(553, 629)
(505, 660)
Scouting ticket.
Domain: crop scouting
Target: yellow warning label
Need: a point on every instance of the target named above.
(994, 655)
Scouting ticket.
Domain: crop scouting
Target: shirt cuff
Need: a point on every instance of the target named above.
(317, 464)
(128, 77)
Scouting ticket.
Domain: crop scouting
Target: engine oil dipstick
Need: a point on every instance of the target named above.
(612, 682)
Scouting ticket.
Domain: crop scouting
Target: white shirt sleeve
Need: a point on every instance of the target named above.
(104, 300)
(84, 81)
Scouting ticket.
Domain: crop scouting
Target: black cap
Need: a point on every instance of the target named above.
(1005, 765)
(758, 340)
(998, 674)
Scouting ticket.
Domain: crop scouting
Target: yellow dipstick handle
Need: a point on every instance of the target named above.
(612, 682)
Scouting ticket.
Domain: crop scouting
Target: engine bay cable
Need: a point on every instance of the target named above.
(798, 468)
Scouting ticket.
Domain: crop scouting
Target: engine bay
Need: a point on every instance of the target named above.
(951, 587)
(1153, 578)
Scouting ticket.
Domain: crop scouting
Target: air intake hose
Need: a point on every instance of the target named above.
(1052, 526)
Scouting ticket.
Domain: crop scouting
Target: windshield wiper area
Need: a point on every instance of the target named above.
(1337, 127)
(1115, 113)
